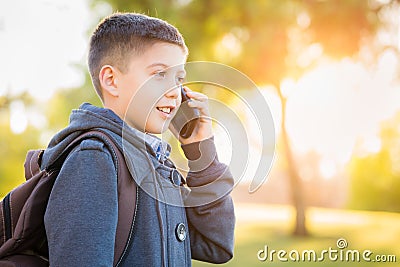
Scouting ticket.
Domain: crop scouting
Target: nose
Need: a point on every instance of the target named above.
(174, 92)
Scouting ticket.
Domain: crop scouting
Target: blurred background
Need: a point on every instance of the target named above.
(329, 70)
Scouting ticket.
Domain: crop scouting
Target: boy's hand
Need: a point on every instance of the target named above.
(203, 129)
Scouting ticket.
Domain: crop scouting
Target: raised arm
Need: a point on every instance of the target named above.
(210, 213)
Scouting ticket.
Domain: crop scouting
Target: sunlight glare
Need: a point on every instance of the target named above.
(18, 119)
(288, 85)
(40, 41)
(303, 20)
(229, 47)
(327, 168)
(338, 102)
(374, 145)
(311, 53)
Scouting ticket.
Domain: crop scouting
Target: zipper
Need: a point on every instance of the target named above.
(7, 216)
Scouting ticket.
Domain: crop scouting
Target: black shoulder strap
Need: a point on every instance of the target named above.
(32, 163)
(57, 163)
(127, 190)
(127, 200)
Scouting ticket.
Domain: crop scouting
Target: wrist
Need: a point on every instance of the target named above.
(200, 154)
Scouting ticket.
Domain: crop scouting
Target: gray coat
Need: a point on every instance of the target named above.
(81, 215)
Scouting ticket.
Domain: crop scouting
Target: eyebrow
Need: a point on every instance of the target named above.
(157, 64)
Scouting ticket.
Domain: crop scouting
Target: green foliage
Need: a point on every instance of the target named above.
(374, 231)
(59, 107)
(256, 37)
(374, 186)
(258, 30)
(340, 25)
(13, 148)
(375, 179)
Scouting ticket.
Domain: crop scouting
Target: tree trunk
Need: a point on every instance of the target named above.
(295, 182)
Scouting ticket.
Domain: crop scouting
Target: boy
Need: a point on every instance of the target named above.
(126, 50)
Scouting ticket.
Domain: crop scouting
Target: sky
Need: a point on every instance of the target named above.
(330, 108)
(41, 41)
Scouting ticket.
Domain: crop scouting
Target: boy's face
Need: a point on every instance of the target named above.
(149, 90)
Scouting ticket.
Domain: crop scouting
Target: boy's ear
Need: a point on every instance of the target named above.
(108, 80)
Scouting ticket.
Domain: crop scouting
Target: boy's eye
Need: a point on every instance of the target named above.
(180, 79)
(161, 74)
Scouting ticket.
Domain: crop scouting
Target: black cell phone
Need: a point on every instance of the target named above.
(186, 117)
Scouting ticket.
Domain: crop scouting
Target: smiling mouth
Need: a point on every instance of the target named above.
(166, 110)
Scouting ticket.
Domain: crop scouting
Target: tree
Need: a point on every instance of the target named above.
(375, 177)
(59, 107)
(13, 146)
(269, 41)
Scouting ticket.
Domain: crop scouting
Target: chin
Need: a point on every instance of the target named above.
(157, 130)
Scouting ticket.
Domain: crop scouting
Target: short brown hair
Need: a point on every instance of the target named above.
(120, 35)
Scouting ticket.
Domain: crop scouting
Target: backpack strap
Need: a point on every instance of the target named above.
(28, 203)
(127, 190)
(32, 163)
(127, 195)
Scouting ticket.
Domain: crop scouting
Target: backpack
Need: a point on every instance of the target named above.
(23, 239)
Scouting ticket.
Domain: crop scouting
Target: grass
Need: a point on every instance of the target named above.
(260, 225)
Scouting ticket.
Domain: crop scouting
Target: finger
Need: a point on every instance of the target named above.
(195, 95)
(194, 103)
(200, 105)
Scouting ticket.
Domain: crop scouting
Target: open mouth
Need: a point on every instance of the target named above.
(166, 110)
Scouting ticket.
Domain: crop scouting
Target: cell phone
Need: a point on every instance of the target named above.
(186, 117)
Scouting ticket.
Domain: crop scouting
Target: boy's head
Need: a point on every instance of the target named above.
(127, 49)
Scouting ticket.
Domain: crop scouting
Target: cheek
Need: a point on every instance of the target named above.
(154, 124)
(141, 110)
(141, 107)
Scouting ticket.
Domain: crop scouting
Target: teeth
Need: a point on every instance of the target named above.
(165, 110)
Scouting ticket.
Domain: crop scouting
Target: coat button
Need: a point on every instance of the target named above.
(180, 232)
(175, 177)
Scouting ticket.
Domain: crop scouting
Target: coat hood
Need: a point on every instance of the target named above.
(86, 118)
(136, 146)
